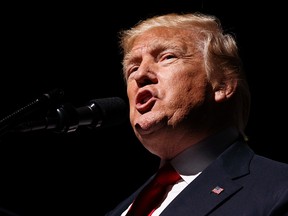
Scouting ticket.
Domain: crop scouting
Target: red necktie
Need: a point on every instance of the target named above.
(154, 193)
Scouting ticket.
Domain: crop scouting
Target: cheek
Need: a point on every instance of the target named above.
(131, 91)
(189, 90)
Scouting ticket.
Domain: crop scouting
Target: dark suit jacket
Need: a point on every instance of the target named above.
(253, 186)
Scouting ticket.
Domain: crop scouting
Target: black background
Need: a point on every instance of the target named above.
(74, 46)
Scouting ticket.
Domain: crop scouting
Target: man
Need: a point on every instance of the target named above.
(189, 105)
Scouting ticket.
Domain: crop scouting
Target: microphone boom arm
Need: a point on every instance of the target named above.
(103, 112)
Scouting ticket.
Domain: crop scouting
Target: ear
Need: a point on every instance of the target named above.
(225, 91)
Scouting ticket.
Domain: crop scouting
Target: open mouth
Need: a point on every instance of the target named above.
(145, 101)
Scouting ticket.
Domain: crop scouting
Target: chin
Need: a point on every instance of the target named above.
(142, 131)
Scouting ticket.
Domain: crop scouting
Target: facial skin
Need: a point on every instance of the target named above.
(171, 102)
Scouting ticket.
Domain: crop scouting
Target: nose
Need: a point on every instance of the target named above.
(146, 74)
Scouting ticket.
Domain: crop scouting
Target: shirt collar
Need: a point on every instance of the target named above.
(197, 157)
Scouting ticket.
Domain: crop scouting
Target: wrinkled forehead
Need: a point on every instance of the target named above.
(161, 36)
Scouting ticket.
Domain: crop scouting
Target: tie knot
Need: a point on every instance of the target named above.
(153, 194)
(167, 175)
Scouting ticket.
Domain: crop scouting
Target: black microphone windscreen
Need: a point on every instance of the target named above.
(114, 110)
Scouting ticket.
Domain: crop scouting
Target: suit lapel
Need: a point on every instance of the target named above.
(233, 163)
(125, 203)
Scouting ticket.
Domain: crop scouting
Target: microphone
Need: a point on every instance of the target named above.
(44, 101)
(103, 112)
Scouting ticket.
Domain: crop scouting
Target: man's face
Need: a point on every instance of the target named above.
(166, 81)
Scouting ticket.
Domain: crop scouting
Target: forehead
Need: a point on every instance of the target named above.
(162, 36)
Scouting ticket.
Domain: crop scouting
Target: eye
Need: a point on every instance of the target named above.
(167, 57)
(131, 70)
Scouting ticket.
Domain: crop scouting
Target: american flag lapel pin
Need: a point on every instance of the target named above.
(217, 190)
